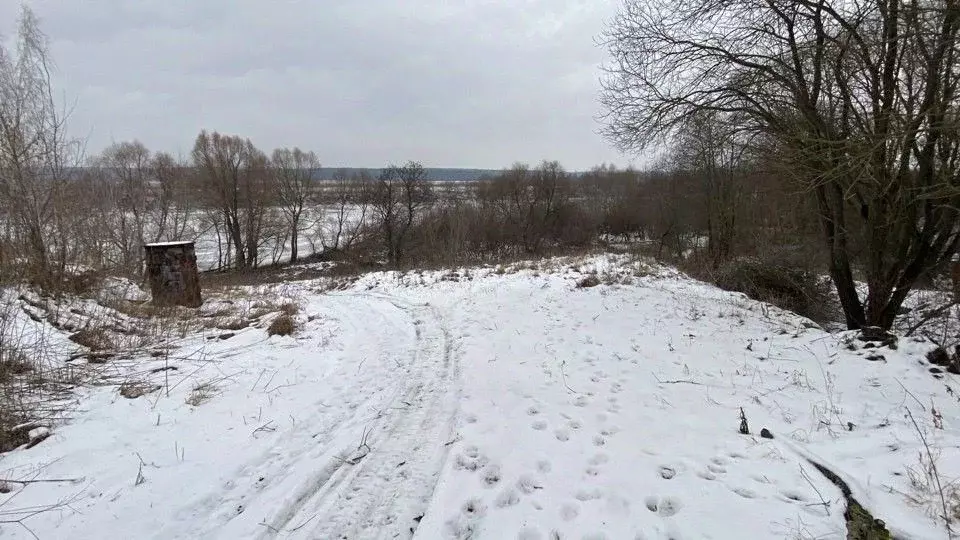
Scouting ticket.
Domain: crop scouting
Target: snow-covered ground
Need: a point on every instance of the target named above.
(500, 403)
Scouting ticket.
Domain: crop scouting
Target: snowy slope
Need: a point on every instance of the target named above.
(502, 403)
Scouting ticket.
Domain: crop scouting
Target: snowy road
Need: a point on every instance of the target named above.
(495, 405)
(400, 386)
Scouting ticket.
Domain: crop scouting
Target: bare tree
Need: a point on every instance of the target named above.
(346, 206)
(713, 151)
(858, 101)
(529, 201)
(35, 152)
(235, 181)
(124, 193)
(294, 173)
(399, 197)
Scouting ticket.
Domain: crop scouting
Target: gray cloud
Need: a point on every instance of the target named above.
(473, 83)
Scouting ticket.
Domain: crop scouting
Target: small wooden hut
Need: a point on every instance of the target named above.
(172, 272)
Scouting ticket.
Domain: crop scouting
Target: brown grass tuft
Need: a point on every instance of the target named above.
(283, 325)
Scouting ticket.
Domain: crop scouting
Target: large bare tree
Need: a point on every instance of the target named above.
(856, 99)
(294, 170)
(35, 151)
(235, 180)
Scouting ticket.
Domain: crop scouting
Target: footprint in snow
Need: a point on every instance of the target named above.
(720, 460)
(574, 424)
(599, 459)
(569, 511)
(507, 497)
(539, 425)
(599, 441)
(533, 410)
(528, 484)
(610, 431)
(667, 473)
(581, 401)
(585, 495)
(491, 475)
(544, 466)
(793, 496)
(760, 479)
(474, 508)
(664, 507)
(744, 492)
(716, 468)
(706, 475)
(470, 460)
(562, 435)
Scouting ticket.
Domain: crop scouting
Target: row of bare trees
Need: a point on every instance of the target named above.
(856, 102)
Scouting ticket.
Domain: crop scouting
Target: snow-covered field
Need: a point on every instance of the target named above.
(501, 403)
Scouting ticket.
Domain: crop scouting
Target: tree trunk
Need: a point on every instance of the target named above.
(294, 238)
(830, 203)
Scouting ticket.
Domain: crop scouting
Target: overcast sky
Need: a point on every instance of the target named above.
(469, 83)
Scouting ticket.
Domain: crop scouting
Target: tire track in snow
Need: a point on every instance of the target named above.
(387, 491)
(398, 361)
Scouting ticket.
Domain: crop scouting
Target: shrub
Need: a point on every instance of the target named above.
(283, 325)
(793, 288)
(95, 338)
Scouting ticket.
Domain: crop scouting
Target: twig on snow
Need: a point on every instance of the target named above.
(677, 381)
(936, 473)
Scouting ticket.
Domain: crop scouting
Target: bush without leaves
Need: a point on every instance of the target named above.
(789, 287)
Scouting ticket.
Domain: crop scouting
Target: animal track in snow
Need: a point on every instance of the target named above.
(720, 460)
(562, 435)
(793, 496)
(507, 497)
(533, 410)
(539, 425)
(744, 492)
(581, 401)
(599, 440)
(470, 459)
(584, 495)
(706, 475)
(528, 484)
(665, 507)
(574, 424)
(474, 507)
(667, 473)
(569, 511)
(599, 459)
(544, 466)
(491, 475)
(714, 468)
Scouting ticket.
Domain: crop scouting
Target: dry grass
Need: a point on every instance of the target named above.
(201, 393)
(95, 338)
(283, 325)
(136, 388)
